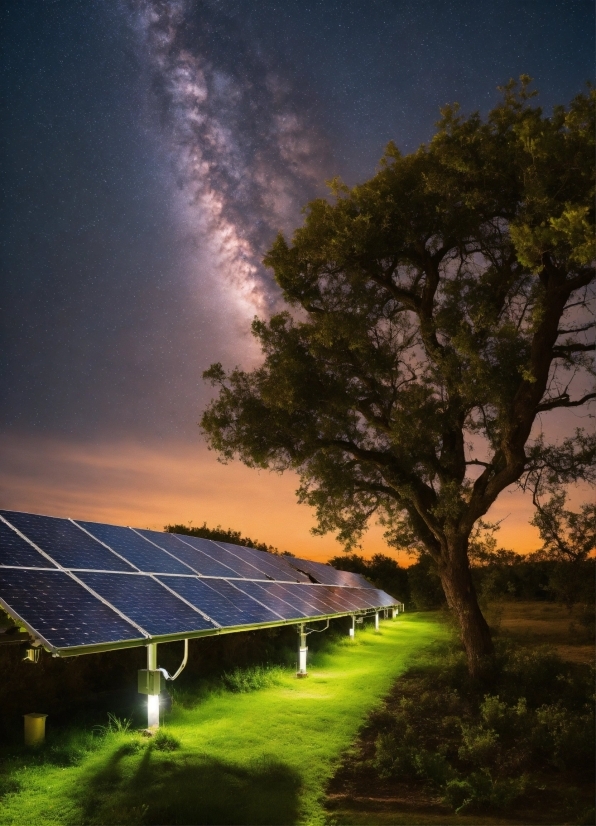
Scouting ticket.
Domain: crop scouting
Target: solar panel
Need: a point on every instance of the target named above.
(250, 607)
(60, 610)
(131, 586)
(295, 597)
(284, 571)
(223, 609)
(242, 567)
(137, 550)
(315, 597)
(348, 600)
(262, 592)
(65, 542)
(189, 549)
(270, 565)
(147, 603)
(326, 575)
(16, 551)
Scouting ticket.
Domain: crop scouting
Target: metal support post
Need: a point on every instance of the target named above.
(352, 631)
(152, 699)
(394, 612)
(376, 620)
(302, 650)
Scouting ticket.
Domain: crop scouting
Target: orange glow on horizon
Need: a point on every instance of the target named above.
(151, 485)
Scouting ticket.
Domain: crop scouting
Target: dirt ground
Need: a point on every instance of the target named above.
(546, 623)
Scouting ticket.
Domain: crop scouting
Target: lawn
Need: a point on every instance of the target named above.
(262, 757)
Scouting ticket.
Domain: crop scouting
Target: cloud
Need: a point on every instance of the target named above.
(243, 142)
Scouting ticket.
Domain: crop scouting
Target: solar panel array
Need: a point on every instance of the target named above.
(85, 586)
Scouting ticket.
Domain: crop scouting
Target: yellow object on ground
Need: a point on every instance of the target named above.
(35, 729)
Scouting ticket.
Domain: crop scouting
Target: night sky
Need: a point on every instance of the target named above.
(150, 152)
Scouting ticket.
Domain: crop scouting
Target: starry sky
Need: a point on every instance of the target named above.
(150, 152)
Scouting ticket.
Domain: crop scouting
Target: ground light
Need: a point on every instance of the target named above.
(127, 587)
(149, 682)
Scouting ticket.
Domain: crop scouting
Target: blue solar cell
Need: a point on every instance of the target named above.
(15, 551)
(136, 549)
(351, 601)
(327, 575)
(252, 610)
(242, 567)
(324, 574)
(70, 546)
(147, 602)
(190, 550)
(266, 563)
(218, 607)
(314, 597)
(260, 591)
(61, 610)
(369, 596)
(276, 566)
(294, 596)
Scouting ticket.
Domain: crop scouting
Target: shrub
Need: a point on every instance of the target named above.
(164, 741)
(563, 739)
(244, 680)
(479, 791)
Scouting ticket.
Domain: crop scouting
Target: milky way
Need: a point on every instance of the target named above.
(152, 149)
(245, 149)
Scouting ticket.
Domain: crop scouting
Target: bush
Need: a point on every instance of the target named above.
(244, 680)
(164, 741)
(480, 792)
(485, 751)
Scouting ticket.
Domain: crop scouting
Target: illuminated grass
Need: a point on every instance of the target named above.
(244, 758)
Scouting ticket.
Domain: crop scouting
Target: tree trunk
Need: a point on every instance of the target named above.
(456, 579)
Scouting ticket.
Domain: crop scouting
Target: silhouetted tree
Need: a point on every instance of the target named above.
(434, 312)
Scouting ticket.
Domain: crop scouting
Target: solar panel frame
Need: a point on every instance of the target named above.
(260, 591)
(28, 556)
(139, 607)
(263, 562)
(126, 542)
(63, 586)
(240, 603)
(251, 605)
(206, 565)
(66, 540)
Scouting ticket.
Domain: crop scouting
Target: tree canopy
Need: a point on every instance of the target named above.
(434, 313)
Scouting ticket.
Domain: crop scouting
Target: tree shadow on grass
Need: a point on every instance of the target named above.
(188, 789)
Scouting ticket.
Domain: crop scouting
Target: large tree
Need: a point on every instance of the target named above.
(435, 312)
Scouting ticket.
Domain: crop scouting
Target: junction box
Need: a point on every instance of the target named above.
(149, 681)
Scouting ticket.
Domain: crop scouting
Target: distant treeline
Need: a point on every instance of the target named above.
(504, 576)
(222, 535)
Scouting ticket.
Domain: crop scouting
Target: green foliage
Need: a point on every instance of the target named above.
(222, 535)
(425, 586)
(428, 324)
(115, 724)
(479, 792)
(566, 535)
(488, 752)
(163, 740)
(244, 680)
(383, 571)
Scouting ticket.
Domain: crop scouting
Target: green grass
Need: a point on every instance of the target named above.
(238, 757)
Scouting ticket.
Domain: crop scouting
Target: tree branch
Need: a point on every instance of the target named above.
(564, 401)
